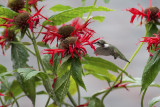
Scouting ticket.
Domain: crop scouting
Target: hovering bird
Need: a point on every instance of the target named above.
(108, 49)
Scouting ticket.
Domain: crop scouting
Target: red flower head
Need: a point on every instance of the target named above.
(34, 19)
(152, 42)
(151, 13)
(73, 39)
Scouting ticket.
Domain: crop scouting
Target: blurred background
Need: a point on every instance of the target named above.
(117, 30)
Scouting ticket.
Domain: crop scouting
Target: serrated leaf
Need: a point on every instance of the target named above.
(19, 56)
(154, 101)
(67, 15)
(4, 11)
(41, 44)
(28, 86)
(77, 70)
(99, 72)
(28, 73)
(60, 7)
(106, 1)
(72, 86)
(2, 69)
(95, 102)
(99, 18)
(151, 70)
(62, 85)
(15, 90)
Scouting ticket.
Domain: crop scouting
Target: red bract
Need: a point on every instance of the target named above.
(34, 19)
(83, 105)
(2, 43)
(52, 52)
(50, 34)
(151, 13)
(81, 28)
(152, 42)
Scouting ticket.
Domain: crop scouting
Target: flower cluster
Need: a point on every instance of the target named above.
(23, 20)
(152, 14)
(72, 39)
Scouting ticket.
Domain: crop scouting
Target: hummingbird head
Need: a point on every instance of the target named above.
(101, 43)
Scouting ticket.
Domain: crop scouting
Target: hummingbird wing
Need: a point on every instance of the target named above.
(102, 51)
(116, 53)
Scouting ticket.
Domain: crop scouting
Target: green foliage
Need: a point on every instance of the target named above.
(41, 93)
(72, 86)
(77, 70)
(95, 102)
(41, 44)
(62, 85)
(83, 2)
(151, 70)
(6, 12)
(28, 86)
(2, 69)
(26, 43)
(29, 73)
(19, 56)
(106, 1)
(99, 18)
(52, 105)
(151, 29)
(60, 7)
(68, 15)
(154, 101)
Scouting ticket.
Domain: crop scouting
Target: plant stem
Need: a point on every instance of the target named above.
(142, 98)
(71, 99)
(134, 54)
(95, 1)
(79, 95)
(48, 101)
(39, 32)
(27, 5)
(30, 50)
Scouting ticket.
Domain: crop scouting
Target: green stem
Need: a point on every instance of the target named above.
(66, 104)
(39, 32)
(2, 102)
(30, 50)
(79, 95)
(95, 1)
(27, 5)
(71, 99)
(134, 54)
(48, 101)
(142, 98)
(16, 101)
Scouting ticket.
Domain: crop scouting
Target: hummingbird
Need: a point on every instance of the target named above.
(108, 49)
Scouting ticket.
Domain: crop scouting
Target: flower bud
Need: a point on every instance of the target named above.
(9, 36)
(69, 40)
(16, 4)
(66, 31)
(153, 14)
(21, 19)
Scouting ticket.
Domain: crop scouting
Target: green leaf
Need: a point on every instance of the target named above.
(77, 70)
(7, 12)
(99, 18)
(106, 1)
(99, 72)
(95, 102)
(15, 89)
(53, 105)
(62, 85)
(26, 43)
(60, 7)
(101, 63)
(41, 44)
(19, 56)
(72, 86)
(29, 73)
(151, 70)
(2, 69)
(151, 28)
(154, 101)
(67, 15)
(41, 93)
(28, 86)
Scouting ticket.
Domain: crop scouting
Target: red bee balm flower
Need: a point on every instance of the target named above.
(152, 42)
(151, 13)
